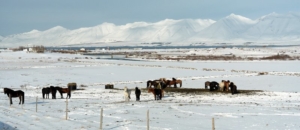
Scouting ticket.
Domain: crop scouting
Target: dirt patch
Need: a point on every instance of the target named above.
(200, 91)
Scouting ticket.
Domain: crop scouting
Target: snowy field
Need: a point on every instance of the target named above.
(277, 107)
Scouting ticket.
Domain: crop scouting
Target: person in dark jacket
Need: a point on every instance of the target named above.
(137, 93)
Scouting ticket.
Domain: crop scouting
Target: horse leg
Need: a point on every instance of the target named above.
(160, 96)
(20, 97)
(10, 99)
(23, 98)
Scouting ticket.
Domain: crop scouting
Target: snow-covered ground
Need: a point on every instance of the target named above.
(275, 108)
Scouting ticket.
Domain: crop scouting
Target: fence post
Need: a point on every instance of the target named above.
(148, 119)
(36, 104)
(213, 124)
(66, 108)
(101, 118)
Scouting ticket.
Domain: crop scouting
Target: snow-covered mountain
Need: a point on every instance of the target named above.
(271, 28)
(230, 27)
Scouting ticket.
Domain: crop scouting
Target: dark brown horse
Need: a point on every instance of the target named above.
(64, 90)
(46, 91)
(11, 94)
(158, 93)
(153, 83)
(173, 82)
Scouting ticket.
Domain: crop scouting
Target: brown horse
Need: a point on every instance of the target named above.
(206, 84)
(64, 90)
(224, 85)
(158, 93)
(11, 94)
(173, 82)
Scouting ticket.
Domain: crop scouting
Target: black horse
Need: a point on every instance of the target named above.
(46, 91)
(137, 93)
(158, 93)
(213, 86)
(233, 88)
(11, 94)
(53, 91)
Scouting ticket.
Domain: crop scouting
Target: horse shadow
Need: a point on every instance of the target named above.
(41, 102)
(4, 126)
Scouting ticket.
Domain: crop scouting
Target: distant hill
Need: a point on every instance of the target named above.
(232, 29)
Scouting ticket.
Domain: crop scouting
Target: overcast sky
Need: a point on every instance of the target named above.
(18, 16)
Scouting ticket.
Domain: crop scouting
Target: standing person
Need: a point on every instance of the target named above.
(137, 93)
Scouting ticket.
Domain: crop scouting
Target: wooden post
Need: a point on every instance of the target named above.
(147, 119)
(36, 104)
(101, 118)
(66, 108)
(213, 124)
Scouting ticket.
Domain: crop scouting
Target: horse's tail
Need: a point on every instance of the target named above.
(180, 83)
(69, 93)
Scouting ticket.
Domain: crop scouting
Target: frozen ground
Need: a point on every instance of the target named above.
(275, 108)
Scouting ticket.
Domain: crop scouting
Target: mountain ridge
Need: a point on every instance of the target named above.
(276, 28)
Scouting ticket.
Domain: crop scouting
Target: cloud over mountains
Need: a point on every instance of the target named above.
(232, 28)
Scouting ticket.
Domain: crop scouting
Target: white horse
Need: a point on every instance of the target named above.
(221, 85)
(126, 94)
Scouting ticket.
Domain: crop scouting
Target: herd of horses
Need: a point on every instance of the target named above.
(163, 82)
(46, 91)
(157, 90)
(222, 86)
(159, 86)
